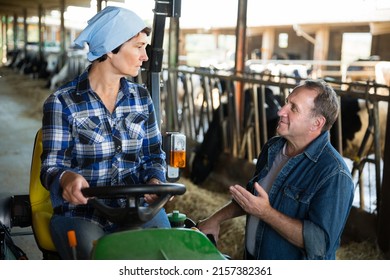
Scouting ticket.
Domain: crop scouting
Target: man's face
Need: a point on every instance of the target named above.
(296, 117)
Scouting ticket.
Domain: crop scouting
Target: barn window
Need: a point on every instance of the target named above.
(283, 40)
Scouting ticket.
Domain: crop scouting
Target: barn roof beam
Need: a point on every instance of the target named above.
(301, 33)
(379, 28)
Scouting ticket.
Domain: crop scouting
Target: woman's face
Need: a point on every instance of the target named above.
(130, 57)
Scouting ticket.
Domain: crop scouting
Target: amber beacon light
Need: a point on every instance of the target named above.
(176, 154)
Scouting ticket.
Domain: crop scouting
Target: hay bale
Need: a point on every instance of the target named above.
(365, 250)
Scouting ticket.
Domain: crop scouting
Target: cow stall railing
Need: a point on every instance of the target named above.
(201, 92)
(195, 97)
(368, 91)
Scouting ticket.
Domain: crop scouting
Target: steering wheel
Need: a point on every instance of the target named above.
(135, 212)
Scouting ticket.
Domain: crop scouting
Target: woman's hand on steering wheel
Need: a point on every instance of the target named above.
(150, 198)
(71, 184)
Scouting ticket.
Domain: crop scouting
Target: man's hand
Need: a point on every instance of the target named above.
(258, 206)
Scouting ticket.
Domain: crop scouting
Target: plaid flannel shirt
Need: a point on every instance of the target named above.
(108, 149)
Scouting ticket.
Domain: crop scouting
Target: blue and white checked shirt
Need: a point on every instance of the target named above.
(81, 135)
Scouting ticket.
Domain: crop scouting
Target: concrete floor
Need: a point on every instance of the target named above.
(17, 132)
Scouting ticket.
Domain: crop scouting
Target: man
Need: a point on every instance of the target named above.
(298, 201)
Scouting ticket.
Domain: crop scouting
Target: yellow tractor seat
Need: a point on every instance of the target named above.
(41, 208)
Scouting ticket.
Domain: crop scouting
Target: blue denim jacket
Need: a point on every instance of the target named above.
(315, 187)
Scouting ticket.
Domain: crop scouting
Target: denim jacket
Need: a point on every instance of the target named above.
(315, 187)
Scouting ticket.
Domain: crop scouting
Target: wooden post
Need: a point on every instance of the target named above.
(240, 62)
(384, 209)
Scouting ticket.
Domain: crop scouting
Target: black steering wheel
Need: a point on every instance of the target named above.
(135, 212)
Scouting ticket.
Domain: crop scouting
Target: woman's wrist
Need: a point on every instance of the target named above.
(61, 176)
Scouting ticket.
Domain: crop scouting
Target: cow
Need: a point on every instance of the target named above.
(12, 57)
(75, 63)
(356, 121)
(35, 65)
(52, 62)
(29, 61)
(356, 114)
(272, 105)
(208, 152)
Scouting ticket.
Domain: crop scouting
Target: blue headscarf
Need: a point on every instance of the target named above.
(108, 29)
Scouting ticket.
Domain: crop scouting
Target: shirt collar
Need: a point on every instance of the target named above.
(83, 86)
(313, 151)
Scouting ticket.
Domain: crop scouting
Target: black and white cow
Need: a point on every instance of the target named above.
(355, 113)
(356, 121)
(28, 61)
(208, 152)
(75, 63)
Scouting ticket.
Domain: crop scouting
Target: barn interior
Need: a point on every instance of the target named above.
(216, 94)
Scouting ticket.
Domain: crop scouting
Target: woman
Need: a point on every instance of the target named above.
(101, 130)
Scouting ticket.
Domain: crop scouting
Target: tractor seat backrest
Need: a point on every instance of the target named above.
(41, 208)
